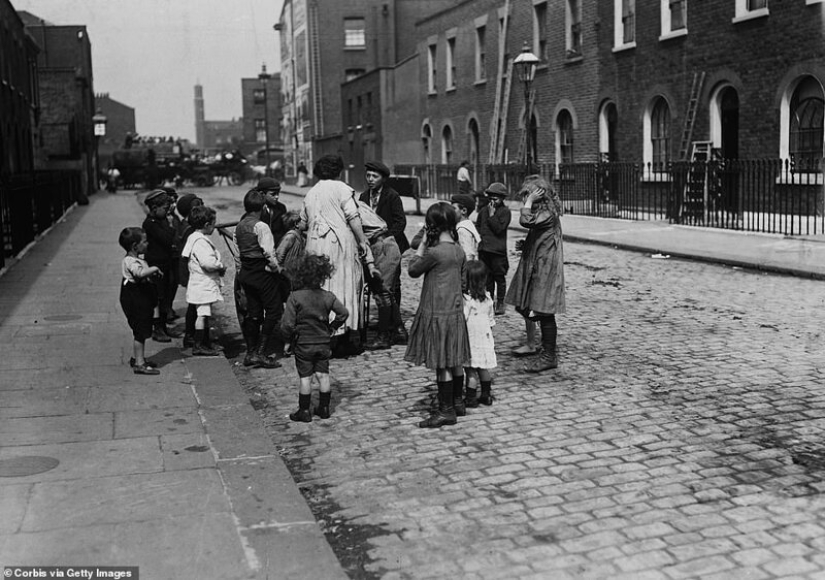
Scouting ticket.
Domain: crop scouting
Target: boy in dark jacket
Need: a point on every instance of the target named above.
(162, 253)
(492, 223)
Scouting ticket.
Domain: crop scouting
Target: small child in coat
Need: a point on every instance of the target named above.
(138, 296)
(479, 313)
(205, 272)
(306, 323)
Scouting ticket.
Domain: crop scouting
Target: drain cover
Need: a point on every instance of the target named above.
(26, 465)
(63, 317)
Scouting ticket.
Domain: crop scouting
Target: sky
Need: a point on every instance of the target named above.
(149, 54)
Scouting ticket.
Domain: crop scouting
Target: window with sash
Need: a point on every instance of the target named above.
(574, 27)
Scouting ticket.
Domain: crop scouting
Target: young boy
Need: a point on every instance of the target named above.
(205, 272)
(184, 205)
(468, 237)
(161, 253)
(306, 323)
(492, 223)
(138, 296)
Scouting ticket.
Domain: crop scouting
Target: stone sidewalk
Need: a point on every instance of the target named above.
(171, 473)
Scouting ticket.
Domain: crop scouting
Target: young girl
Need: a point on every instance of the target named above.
(292, 245)
(138, 296)
(205, 272)
(438, 335)
(479, 312)
(306, 325)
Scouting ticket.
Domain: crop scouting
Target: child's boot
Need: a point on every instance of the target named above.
(322, 410)
(264, 361)
(486, 397)
(458, 396)
(547, 359)
(159, 331)
(302, 415)
(207, 339)
(383, 340)
(200, 349)
(445, 415)
(471, 398)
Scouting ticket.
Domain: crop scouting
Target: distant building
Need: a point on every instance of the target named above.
(120, 121)
(215, 136)
(19, 97)
(261, 114)
(67, 102)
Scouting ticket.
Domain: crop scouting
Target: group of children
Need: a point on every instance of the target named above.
(451, 332)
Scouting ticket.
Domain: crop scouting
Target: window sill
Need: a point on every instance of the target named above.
(480, 82)
(624, 47)
(355, 48)
(810, 2)
(673, 34)
(752, 15)
(574, 59)
(432, 93)
(450, 90)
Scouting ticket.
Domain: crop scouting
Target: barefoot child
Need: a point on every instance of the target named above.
(138, 296)
(307, 326)
(438, 335)
(480, 316)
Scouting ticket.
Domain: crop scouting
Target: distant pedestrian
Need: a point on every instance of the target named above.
(537, 288)
(465, 183)
(492, 223)
(306, 323)
(468, 236)
(138, 296)
(438, 334)
(480, 316)
(303, 175)
(205, 272)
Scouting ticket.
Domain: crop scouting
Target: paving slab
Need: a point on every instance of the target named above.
(56, 429)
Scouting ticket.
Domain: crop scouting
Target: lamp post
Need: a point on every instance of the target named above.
(264, 77)
(525, 63)
(99, 120)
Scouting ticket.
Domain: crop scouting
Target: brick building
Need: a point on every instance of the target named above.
(120, 121)
(261, 113)
(19, 97)
(325, 43)
(67, 103)
(215, 136)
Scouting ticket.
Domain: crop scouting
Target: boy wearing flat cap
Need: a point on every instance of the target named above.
(162, 253)
(468, 237)
(386, 202)
(492, 223)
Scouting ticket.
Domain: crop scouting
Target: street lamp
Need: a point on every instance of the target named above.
(525, 63)
(264, 77)
(99, 120)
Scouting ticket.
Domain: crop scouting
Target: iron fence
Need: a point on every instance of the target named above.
(768, 196)
(30, 203)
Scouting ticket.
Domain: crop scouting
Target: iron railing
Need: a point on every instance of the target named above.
(32, 202)
(768, 196)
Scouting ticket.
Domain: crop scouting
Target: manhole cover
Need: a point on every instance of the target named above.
(63, 317)
(26, 465)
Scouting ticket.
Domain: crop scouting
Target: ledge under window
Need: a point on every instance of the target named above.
(480, 82)
(573, 59)
(809, 2)
(450, 89)
(673, 34)
(752, 15)
(623, 47)
(432, 93)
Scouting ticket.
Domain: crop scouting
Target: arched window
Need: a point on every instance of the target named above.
(660, 135)
(806, 124)
(608, 118)
(473, 137)
(446, 145)
(426, 139)
(565, 129)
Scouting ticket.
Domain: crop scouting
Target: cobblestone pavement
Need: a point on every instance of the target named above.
(681, 437)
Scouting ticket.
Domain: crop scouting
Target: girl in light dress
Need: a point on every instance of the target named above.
(479, 312)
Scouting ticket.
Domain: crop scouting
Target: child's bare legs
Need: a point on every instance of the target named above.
(531, 346)
(471, 401)
(139, 349)
(446, 413)
(325, 395)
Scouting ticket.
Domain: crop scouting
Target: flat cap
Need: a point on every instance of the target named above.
(185, 202)
(466, 201)
(268, 184)
(170, 191)
(378, 167)
(156, 197)
(496, 190)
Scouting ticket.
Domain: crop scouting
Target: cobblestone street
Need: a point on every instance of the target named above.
(681, 437)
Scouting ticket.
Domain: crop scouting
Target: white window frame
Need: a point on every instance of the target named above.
(358, 33)
(538, 28)
(450, 59)
(667, 21)
(432, 55)
(743, 14)
(568, 28)
(618, 27)
(647, 143)
(480, 49)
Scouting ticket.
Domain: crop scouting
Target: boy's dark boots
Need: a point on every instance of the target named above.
(445, 415)
(500, 308)
(303, 414)
(159, 331)
(486, 397)
(322, 410)
(265, 362)
(383, 340)
(189, 332)
(471, 398)
(200, 348)
(547, 359)
(398, 334)
(458, 396)
(252, 334)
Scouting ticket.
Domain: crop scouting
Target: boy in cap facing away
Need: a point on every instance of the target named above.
(468, 237)
(492, 223)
